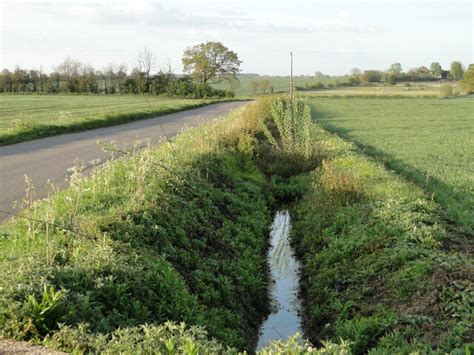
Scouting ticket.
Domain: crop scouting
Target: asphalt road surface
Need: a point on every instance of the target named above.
(50, 158)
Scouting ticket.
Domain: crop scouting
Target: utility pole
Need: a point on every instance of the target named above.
(291, 77)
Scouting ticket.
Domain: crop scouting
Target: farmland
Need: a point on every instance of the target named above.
(24, 117)
(279, 83)
(428, 141)
(410, 90)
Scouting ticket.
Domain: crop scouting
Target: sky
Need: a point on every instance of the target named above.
(331, 37)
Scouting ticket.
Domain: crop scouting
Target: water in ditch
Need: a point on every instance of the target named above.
(284, 321)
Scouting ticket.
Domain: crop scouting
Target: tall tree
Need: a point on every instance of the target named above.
(265, 85)
(210, 61)
(467, 83)
(395, 69)
(254, 85)
(69, 69)
(355, 72)
(456, 70)
(436, 70)
(146, 63)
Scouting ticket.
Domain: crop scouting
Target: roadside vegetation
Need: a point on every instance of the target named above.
(176, 233)
(179, 233)
(382, 270)
(26, 117)
(428, 141)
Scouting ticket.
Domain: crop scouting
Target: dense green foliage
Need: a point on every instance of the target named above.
(167, 338)
(428, 141)
(210, 60)
(467, 83)
(380, 268)
(169, 234)
(25, 117)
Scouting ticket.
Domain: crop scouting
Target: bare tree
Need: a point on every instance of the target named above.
(69, 69)
(168, 69)
(146, 63)
(41, 78)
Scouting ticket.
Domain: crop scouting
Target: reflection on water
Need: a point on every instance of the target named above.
(284, 320)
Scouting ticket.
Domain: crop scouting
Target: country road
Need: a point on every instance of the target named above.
(50, 158)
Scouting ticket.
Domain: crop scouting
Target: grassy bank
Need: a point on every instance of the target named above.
(26, 117)
(426, 140)
(380, 268)
(169, 234)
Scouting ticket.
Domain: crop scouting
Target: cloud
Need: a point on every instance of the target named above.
(153, 15)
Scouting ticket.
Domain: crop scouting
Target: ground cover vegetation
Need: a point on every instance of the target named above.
(179, 233)
(25, 117)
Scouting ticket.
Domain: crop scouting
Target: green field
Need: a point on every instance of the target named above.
(24, 117)
(415, 90)
(279, 83)
(429, 141)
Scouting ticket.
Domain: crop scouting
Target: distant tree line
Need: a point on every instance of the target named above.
(395, 74)
(204, 63)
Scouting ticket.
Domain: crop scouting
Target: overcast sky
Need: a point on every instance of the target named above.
(331, 37)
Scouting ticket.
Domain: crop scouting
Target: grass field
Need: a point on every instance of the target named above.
(430, 141)
(279, 83)
(24, 117)
(415, 90)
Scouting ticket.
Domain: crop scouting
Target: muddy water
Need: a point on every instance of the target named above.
(284, 320)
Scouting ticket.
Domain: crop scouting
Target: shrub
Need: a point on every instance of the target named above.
(467, 84)
(445, 91)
